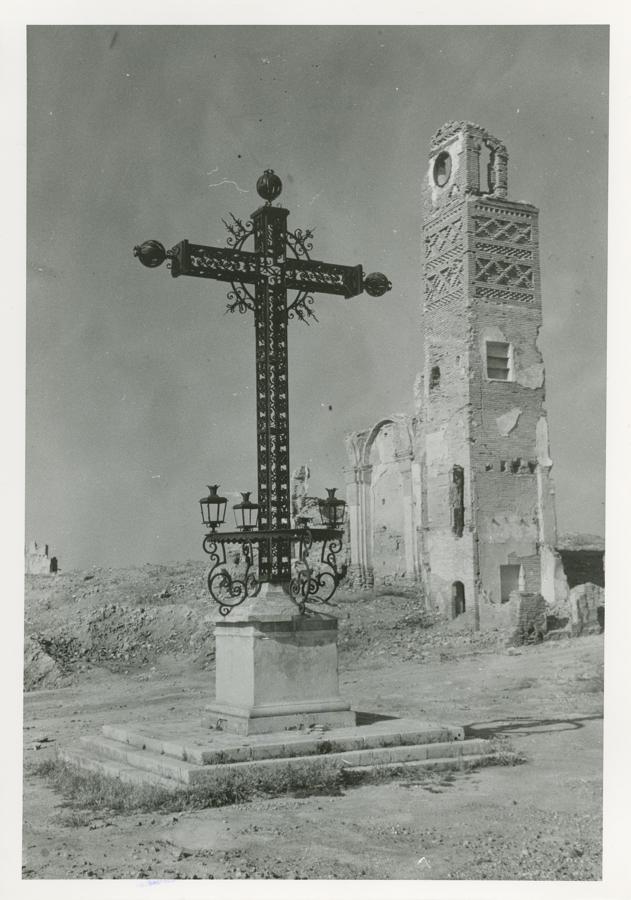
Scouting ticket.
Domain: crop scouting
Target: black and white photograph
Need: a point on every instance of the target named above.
(315, 380)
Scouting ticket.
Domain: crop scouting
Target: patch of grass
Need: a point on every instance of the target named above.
(430, 777)
(502, 753)
(84, 790)
(43, 768)
(75, 818)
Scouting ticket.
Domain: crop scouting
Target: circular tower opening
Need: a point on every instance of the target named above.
(442, 168)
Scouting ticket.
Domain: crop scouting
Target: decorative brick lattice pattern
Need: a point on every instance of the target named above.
(495, 294)
(444, 269)
(446, 238)
(499, 229)
(510, 252)
(498, 271)
(444, 282)
(504, 240)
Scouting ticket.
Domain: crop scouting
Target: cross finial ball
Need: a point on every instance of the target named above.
(269, 186)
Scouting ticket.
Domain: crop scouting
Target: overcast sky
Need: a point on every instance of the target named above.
(140, 388)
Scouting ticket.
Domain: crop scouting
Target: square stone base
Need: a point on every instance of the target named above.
(276, 671)
(264, 721)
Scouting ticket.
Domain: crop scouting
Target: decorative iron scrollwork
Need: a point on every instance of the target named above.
(311, 585)
(227, 591)
(313, 582)
(239, 299)
(300, 242)
(300, 308)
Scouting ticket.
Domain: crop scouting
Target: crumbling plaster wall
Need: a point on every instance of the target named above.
(388, 540)
(510, 454)
(383, 505)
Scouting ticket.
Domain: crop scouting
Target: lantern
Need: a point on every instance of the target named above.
(246, 513)
(213, 508)
(332, 509)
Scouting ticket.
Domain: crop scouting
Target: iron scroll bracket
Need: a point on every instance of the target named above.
(232, 581)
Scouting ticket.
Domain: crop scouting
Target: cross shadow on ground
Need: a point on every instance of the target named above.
(367, 718)
(525, 726)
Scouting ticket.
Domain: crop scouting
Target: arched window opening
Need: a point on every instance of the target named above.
(457, 599)
(487, 175)
(456, 500)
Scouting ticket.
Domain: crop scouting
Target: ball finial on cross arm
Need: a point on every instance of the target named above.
(269, 186)
(150, 254)
(376, 284)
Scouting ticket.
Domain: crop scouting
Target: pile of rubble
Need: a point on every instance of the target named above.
(125, 620)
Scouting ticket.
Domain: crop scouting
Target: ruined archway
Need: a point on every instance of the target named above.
(381, 501)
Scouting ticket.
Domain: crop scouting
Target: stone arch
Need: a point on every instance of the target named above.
(380, 497)
(402, 437)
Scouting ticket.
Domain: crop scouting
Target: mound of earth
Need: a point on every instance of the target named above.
(40, 669)
(117, 619)
(129, 619)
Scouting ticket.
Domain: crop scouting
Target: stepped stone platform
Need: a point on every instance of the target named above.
(184, 754)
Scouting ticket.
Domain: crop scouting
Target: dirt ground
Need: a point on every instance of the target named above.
(538, 820)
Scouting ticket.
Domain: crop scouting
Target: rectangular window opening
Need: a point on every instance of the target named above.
(498, 361)
(509, 581)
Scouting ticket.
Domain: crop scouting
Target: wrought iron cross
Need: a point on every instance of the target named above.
(272, 273)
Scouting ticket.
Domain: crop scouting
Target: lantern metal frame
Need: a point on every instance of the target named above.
(246, 505)
(213, 500)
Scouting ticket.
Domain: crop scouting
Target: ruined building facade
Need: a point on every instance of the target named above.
(459, 496)
(37, 561)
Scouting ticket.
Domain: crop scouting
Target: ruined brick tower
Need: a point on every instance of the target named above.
(459, 496)
(488, 522)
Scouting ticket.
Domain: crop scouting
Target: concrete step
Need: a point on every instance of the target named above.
(359, 774)
(178, 770)
(92, 751)
(204, 747)
(113, 769)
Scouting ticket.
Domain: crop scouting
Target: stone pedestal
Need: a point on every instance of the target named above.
(276, 669)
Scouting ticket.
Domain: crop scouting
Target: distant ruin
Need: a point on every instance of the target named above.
(38, 562)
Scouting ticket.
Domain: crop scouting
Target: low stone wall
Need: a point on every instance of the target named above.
(527, 614)
(587, 609)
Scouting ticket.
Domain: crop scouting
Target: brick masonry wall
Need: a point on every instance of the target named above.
(482, 283)
(528, 618)
(587, 609)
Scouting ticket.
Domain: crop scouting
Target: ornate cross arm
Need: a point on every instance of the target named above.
(325, 278)
(218, 263)
(329, 278)
(242, 266)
